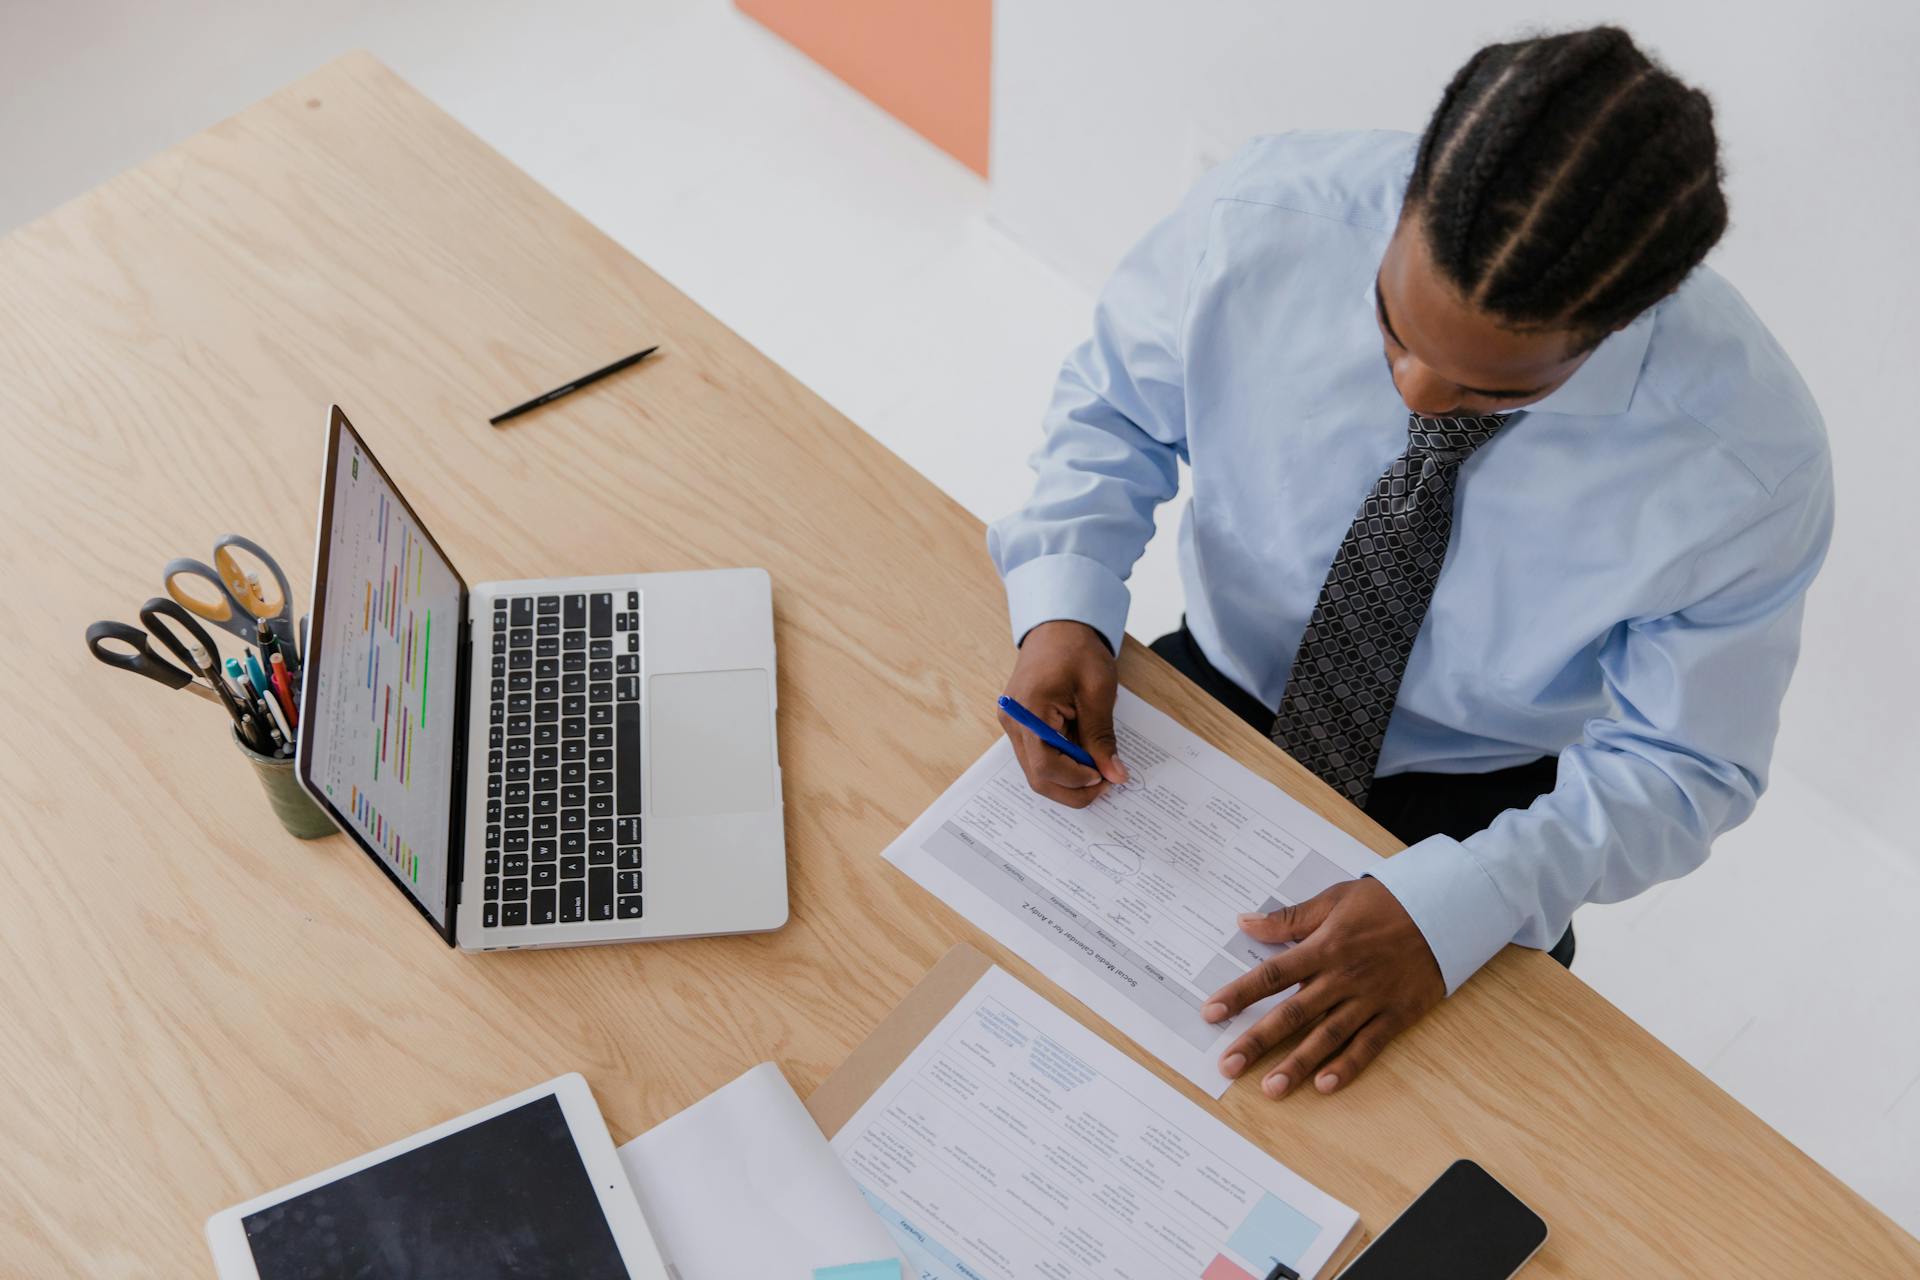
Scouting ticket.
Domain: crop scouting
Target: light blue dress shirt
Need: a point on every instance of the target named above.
(1629, 559)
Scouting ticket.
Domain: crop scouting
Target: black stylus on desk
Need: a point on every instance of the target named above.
(571, 387)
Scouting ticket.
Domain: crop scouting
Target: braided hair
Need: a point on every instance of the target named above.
(1568, 182)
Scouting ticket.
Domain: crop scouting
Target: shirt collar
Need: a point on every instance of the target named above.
(1604, 384)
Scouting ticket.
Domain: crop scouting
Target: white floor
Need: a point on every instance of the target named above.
(861, 259)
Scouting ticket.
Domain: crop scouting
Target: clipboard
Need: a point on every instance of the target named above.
(843, 1093)
(870, 1065)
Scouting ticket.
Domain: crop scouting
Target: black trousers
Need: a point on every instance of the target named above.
(1411, 805)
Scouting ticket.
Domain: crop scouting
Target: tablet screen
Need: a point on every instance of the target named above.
(505, 1197)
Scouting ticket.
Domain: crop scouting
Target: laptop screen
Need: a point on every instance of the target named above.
(381, 696)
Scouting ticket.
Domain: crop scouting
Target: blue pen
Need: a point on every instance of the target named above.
(237, 677)
(258, 677)
(1045, 732)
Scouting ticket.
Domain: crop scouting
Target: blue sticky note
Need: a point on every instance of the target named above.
(887, 1269)
(1273, 1231)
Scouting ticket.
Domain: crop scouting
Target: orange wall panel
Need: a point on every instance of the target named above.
(927, 62)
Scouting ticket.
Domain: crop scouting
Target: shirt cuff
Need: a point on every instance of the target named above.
(1068, 588)
(1459, 909)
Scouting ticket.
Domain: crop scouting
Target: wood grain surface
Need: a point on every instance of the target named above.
(198, 1008)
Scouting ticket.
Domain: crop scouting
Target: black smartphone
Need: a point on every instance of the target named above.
(1466, 1226)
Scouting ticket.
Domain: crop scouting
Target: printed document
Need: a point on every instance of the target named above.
(1130, 903)
(1012, 1143)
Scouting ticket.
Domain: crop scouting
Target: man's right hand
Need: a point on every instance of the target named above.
(1067, 676)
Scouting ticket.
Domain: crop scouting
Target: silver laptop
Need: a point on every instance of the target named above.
(548, 762)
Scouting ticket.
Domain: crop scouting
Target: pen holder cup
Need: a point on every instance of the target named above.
(293, 806)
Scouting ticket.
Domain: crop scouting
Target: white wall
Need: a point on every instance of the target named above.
(1105, 111)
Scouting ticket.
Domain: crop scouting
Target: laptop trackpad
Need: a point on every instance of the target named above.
(712, 748)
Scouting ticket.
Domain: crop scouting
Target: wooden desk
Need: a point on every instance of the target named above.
(198, 1008)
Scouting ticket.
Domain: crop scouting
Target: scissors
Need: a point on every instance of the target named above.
(232, 599)
(196, 654)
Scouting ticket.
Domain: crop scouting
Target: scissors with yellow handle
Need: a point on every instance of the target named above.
(233, 599)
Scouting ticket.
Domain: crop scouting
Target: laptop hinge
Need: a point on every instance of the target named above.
(457, 821)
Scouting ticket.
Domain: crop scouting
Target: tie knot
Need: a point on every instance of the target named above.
(1454, 438)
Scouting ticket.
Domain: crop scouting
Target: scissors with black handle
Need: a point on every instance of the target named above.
(127, 647)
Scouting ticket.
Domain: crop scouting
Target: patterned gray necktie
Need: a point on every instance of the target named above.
(1333, 716)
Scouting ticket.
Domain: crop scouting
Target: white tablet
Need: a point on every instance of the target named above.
(527, 1187)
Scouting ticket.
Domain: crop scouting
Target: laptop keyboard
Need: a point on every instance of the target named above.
(563, 760)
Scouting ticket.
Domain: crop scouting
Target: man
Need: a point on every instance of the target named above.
(1528, 591)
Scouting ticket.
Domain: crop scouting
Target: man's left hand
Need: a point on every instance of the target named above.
(1365, 975)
